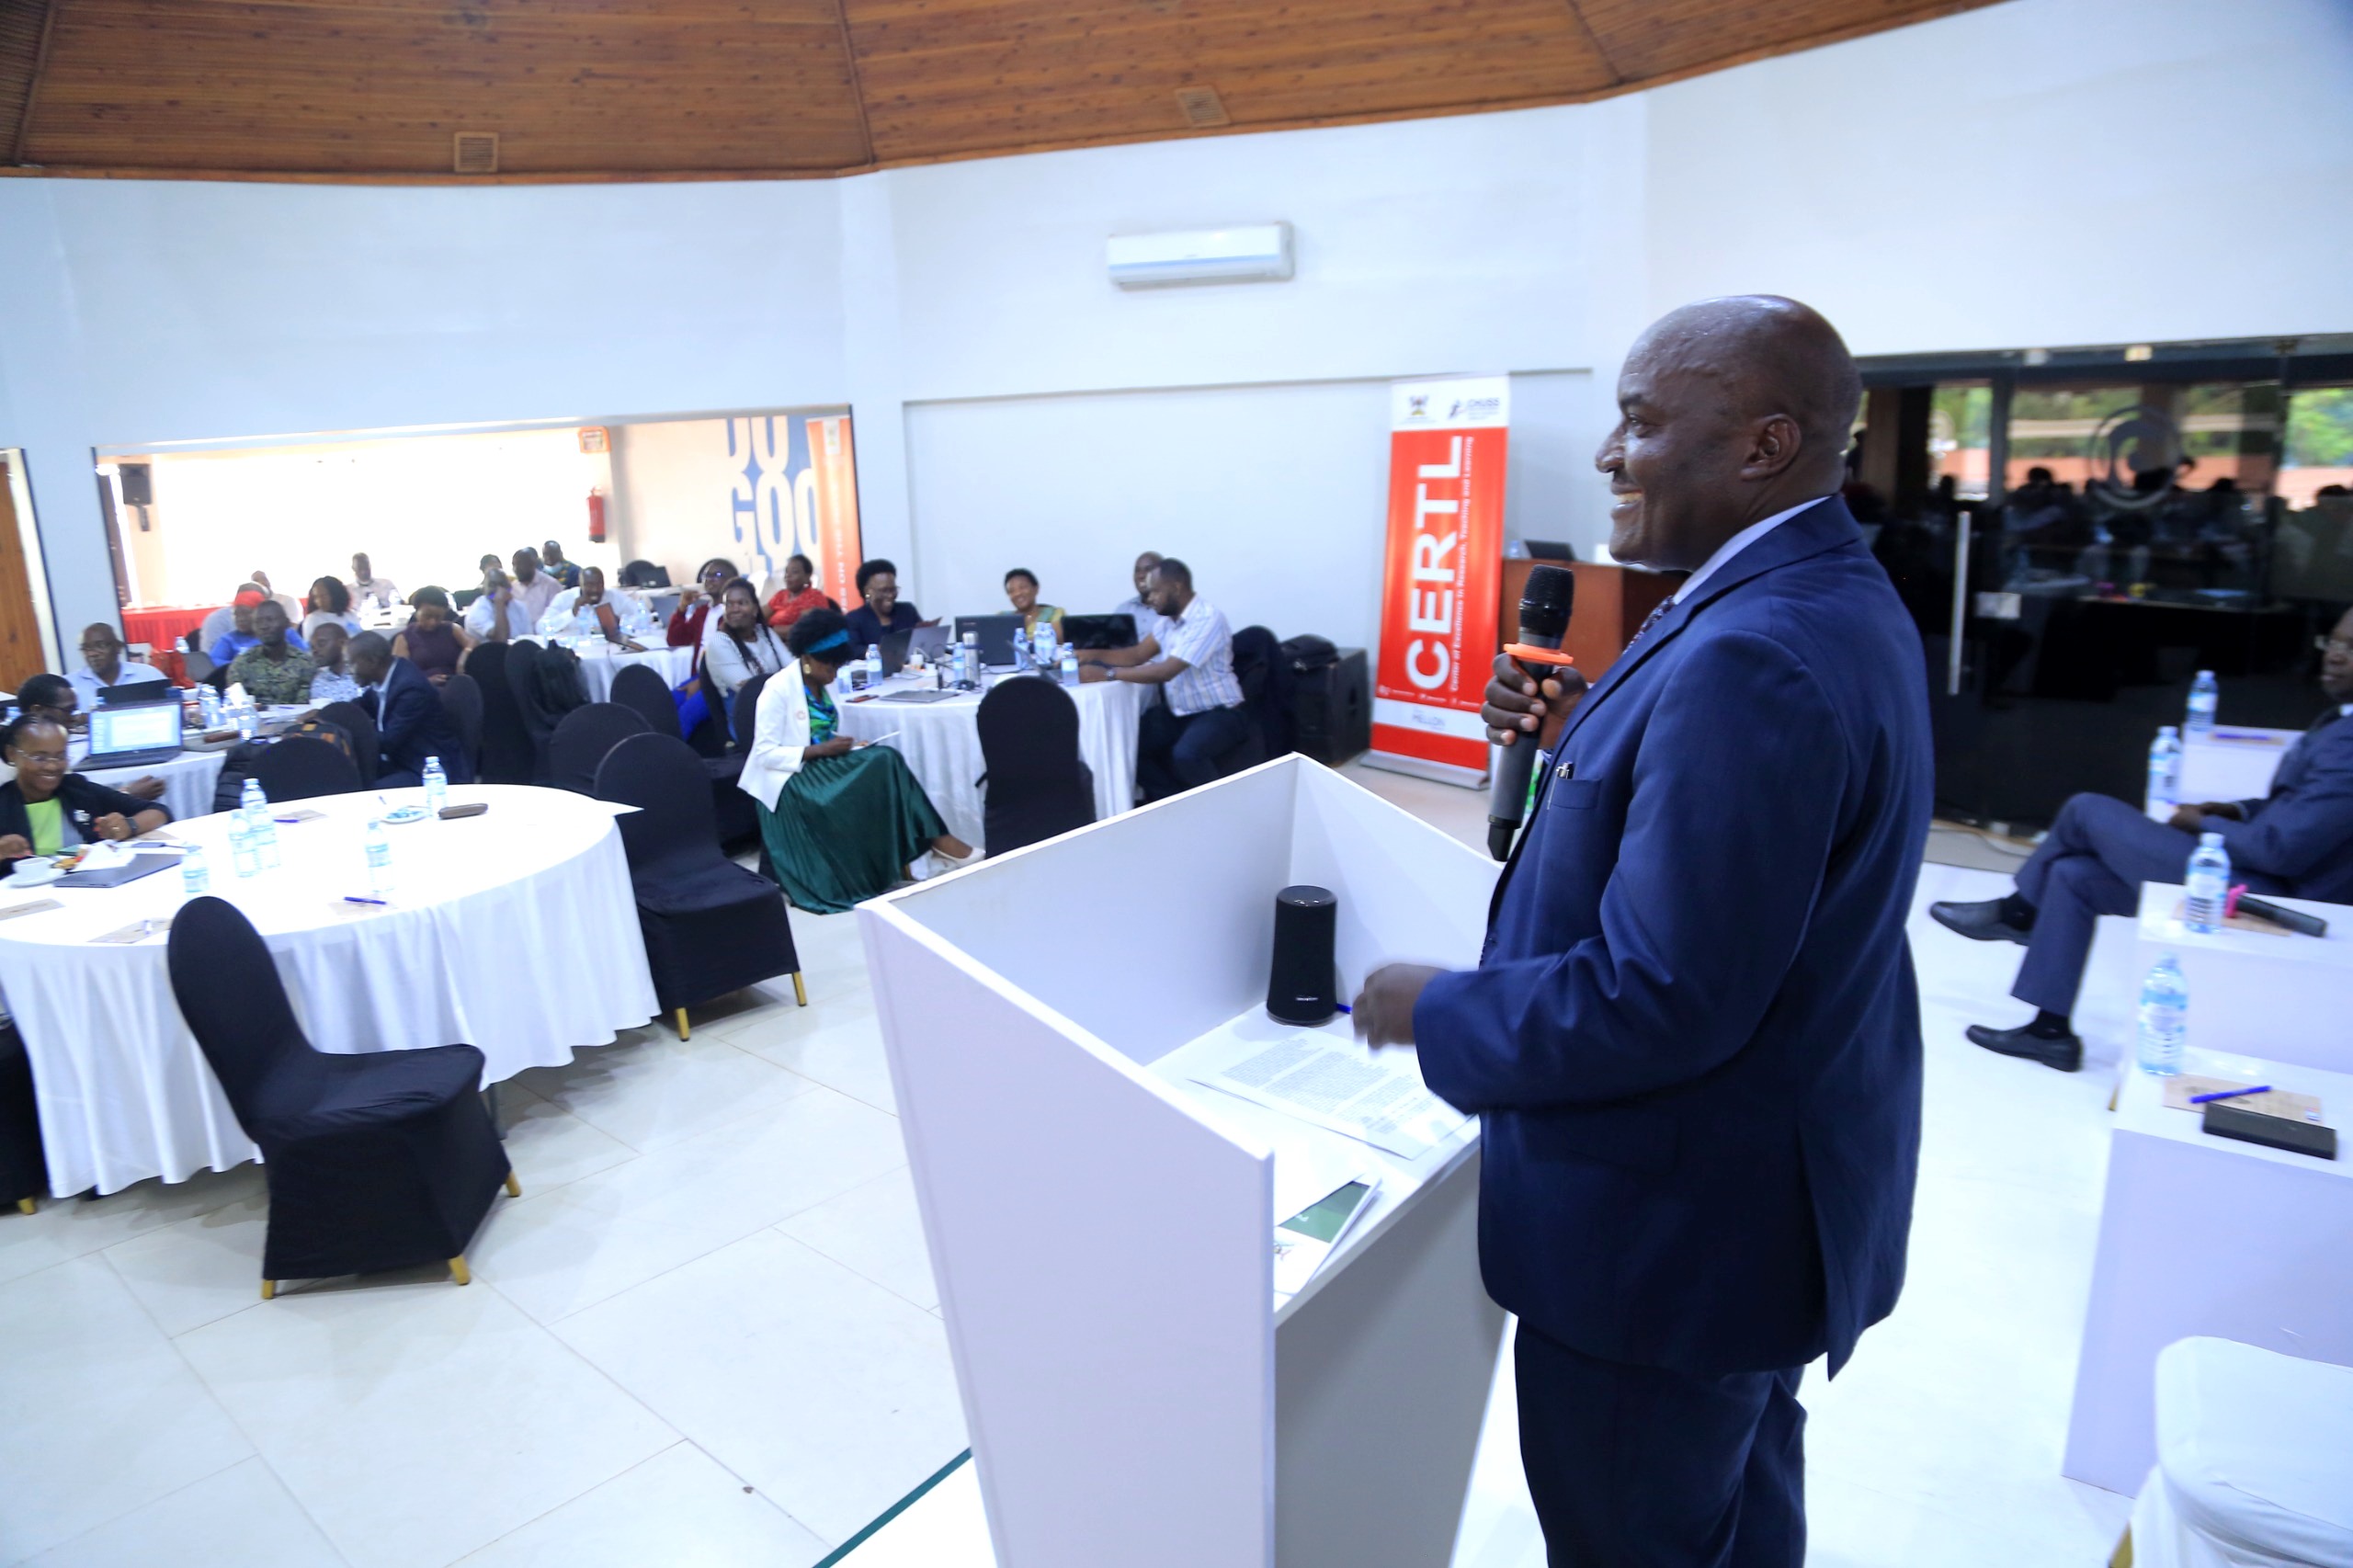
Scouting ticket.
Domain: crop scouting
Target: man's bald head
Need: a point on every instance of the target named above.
(1731, 410)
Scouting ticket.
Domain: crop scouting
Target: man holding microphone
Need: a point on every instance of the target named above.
(1693, 1035)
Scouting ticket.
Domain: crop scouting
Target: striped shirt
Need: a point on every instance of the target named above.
(1201, 638)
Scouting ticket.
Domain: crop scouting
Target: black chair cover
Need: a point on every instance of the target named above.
(1264, 678)
(710, 926)
(506, 745)
(734, 817)
(1036, 786)
(542, 698)
(581, 741)
(462, 701)
(374, 1162)
(24, 1172)
(362, 725)
(639, 688)
(297, 768)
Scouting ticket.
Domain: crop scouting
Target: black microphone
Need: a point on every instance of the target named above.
(1544, 617)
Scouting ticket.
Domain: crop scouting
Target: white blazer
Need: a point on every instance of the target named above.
(780, 738)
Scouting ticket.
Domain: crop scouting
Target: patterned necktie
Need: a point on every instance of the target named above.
(1650, 620)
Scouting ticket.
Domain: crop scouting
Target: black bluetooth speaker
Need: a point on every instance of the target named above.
(1302, 985)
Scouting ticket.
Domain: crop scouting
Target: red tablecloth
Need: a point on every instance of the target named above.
(162, 627)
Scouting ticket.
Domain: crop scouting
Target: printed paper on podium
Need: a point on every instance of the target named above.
(1342, 1086)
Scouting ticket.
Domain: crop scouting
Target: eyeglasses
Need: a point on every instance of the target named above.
(2333, 645)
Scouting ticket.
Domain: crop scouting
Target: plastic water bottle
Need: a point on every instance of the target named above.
(208, 705)
(2165, 1017)
(255, 807)
(240, 845)
(2202, 700)
(248, 719)
(1020, 652)
(961, 666)
(1042, 645)
(196, 876)
(380, 859)
(873, 674)
(436, 785)
(2208, 883)
(2165, 775)
(1068, 665)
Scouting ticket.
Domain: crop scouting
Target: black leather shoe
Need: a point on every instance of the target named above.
(2065, 1053)
(1980, 922)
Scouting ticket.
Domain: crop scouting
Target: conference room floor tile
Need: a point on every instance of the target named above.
(827, 1392)
(681, 1507)
(98, 1416)
(876, 1231)
(650, 1089)
(416, 1420)
(555, 1253)
(72, 1228)
(246, 1505)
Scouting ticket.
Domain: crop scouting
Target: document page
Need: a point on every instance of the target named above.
(1345, 1087)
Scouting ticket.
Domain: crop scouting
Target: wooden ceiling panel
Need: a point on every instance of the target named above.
(622, 89)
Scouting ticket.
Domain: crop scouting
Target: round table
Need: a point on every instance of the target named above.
(515, 931)
(941, 742)
(600, 662)
(188, 779)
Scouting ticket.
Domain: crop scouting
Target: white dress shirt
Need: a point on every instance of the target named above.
(86, 683)
(557, 619)
(537, 595)
(1734, 545)
(478, 621)
(729, 667)
(1202, 638)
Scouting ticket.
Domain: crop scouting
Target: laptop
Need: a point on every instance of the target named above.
(132, 692)
(995, 637)
(895, 651)
(135, 735)
(1100, 631)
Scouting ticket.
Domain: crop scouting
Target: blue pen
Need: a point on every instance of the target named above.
(349, 899)
(2230, 1094)
(1344, 1007)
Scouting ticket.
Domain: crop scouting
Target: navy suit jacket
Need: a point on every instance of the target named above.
(2302, 832)
(411, 725)
(1694, 1034)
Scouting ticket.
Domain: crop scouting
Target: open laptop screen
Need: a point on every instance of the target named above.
(146, 726)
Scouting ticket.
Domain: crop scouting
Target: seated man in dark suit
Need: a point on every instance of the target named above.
(411, 723)
(2297, 840)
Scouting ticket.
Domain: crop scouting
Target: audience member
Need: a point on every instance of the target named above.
(370, 591)
(534, 589)
(799, 596)
(330, 603)
(330, 678)
(743, 646)
(690, 622)
(1190, 652)
(842, 822)
(432, 640)
(877, 585)
(553, 563)
(411, 724)
(589, 611)
(273, 674)
(1021, 589)
(284, 601)
(2298, 841)
(103, 665)
(1139, 604)
(498, 616)
(242, 634)
(48, 809)
(51, 697)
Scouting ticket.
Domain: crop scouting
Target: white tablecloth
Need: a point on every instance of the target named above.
(941, 742)
(188, 780)
(599, 667)
(513, 931)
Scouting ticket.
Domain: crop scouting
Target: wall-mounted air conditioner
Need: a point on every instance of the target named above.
(1253, 252)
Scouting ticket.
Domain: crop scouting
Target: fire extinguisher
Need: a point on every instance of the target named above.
(595, 517)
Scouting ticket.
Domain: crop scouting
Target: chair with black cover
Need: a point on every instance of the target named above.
(546, 683)
(377, 1161)
(1036, 786)
(581, 741)
(734, 818)
(506, 745)
(1257, 655)
(462, 701)
(365, 742)
(710, 926)
(24, 1168)
(640, 688)
(299, 768)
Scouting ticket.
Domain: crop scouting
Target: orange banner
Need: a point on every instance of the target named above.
(1443, 575)
(828, 524)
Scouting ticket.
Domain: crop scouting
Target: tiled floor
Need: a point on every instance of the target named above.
(707, 1334)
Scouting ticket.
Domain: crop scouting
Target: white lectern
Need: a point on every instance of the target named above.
(1102, 1229)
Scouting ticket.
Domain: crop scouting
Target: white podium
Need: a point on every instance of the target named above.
(1102, 1229)
(2276, 995)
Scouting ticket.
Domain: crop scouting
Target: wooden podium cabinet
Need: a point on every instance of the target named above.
(1610, 603)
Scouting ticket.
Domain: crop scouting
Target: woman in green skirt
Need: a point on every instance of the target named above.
(842, 821)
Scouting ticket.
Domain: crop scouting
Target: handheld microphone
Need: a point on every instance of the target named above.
(1544, 617)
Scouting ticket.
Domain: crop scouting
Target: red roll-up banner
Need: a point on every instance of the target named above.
(1443, 575)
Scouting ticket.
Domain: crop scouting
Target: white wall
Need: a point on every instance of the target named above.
(2038, 172)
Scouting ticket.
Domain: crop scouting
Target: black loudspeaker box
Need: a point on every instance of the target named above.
(1330, 709)
(138, 484)
(1303, 984)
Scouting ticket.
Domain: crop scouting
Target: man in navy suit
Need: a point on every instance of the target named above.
(2297, 840)
(1694, 1036)
(411, 723)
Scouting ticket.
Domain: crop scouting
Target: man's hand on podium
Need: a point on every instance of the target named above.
(1514, 706)
(1383, 1013)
